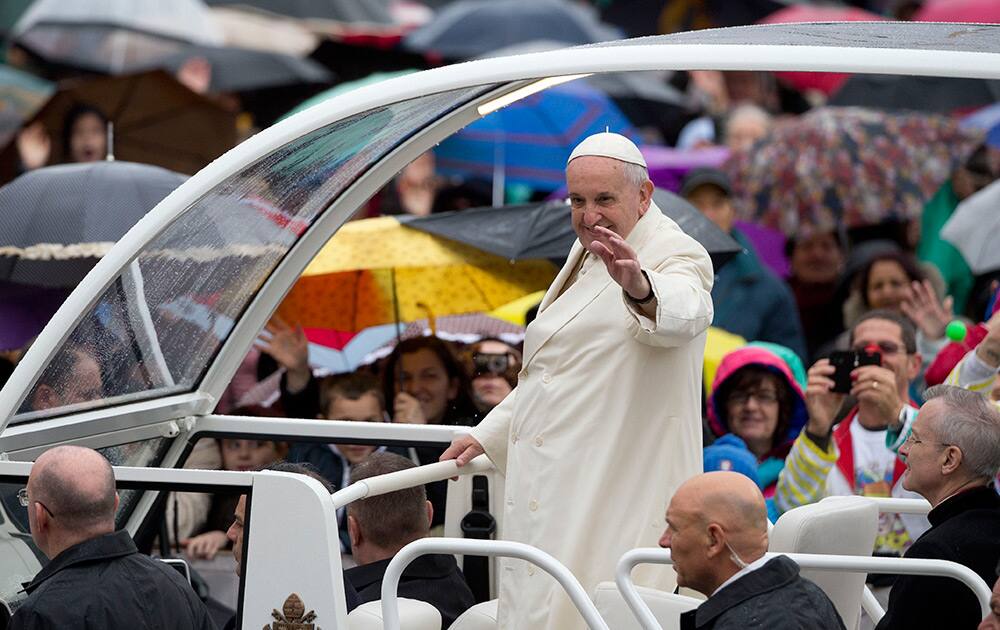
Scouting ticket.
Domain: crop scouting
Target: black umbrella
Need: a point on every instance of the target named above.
(942, 95)
(470, 28)
(243, 69)
(543, 230)
(367, 11)
(57, 221)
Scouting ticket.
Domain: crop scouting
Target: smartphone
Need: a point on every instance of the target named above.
(846, 361)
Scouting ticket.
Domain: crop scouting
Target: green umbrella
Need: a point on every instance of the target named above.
(325, 95)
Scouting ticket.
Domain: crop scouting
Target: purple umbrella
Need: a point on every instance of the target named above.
(24, 311)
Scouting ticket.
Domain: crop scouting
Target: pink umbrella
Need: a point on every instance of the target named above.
(975, 11)
(825, 82)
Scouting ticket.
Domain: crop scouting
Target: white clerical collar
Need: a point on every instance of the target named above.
(753, 566)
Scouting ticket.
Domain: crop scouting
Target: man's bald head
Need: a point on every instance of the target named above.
(730, 499)
(77, 486)
(716, 523)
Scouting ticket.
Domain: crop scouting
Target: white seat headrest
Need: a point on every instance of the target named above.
(413, 615)
(480, 617)
(666, 607)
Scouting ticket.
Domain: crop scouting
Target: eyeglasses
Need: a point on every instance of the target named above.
(22, 498)
(910, 441)
(765, 397)
(885, 347)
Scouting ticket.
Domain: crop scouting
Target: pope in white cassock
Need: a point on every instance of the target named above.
(605, 421)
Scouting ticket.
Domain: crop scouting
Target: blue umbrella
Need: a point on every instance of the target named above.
(528, 142)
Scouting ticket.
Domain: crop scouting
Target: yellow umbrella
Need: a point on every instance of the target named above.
(515, 312)
(349, 285)
(718, 343)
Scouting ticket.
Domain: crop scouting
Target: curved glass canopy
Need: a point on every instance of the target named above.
(169, 305)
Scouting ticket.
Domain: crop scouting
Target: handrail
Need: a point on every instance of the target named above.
(505, 548)
(402, 479)
(814, 561)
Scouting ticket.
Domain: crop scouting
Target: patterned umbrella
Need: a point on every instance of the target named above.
(846, 166)
(375, 267)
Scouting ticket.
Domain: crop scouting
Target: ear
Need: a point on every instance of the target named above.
(913, 369)
(117, 501)
(41, 516)
(353, 531)
(951, 460)
(430, 513)
(645, 196)
(715, 540)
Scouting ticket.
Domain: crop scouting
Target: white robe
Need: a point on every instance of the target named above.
(604, 424)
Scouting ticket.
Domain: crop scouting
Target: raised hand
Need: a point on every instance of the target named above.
(875, 388)
(408, 410)
(290, 348)
(621, 261)
(926, 311)
(821, 403)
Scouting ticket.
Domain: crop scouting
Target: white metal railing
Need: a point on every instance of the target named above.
(521, 551)
(402, 479)
(816, 562)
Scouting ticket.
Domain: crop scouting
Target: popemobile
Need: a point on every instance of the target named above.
(164, 372)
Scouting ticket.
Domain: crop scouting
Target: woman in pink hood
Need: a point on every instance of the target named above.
(755, 397)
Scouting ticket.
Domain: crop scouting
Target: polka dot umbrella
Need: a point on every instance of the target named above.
(377, 271)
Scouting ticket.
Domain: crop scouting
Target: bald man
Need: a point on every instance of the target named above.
(717, 536)
(96, 578)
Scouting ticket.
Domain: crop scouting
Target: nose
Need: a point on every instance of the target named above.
(590, 218)
(230, 534)
(665, 539)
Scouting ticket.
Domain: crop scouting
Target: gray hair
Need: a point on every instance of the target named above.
(751, 112)
(973, 425)
(635, 174)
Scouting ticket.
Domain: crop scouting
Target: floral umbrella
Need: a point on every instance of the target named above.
(377, 271)
(846, 166)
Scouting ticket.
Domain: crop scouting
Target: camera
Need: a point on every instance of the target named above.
(846, 362)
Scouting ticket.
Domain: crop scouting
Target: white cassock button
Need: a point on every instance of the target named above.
(513, 439)
(546, 378)
(539, 441)
(533, 506)
(531, 569)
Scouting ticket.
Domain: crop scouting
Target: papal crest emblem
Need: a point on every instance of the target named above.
(293, 616)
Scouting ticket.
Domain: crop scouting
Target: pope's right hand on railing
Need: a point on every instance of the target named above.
(463, 450)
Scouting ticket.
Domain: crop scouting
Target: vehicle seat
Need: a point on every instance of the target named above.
(413, 615)
(480, 617)
(666, 607)
(836, 525)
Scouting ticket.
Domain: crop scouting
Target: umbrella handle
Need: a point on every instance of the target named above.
(431, 322)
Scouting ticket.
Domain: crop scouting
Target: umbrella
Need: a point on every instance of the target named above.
(243, 70)
(471, 28)
(156, 120)
(516, 312)
(973, 229)
(529, 141)
(969, 11)
(55, 222)
(533, 231)
(263, 31)
(343, 88)
(825, 82)
(370, 11)
(108, 35)
(942, 95)
(846, 166)
(24, 311)
(377, 271)
(21, 94)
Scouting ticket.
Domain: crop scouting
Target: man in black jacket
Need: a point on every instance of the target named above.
(717, 536)
(952, 456)
(380, 526)
(96, 577)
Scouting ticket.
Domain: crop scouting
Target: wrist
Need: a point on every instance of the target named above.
(647, 296)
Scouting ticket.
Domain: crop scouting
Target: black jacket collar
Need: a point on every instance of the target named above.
(426, 567)
(776, 573)
(103, 547)
(979, 498)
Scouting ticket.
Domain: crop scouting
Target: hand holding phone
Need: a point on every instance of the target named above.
(845, 362)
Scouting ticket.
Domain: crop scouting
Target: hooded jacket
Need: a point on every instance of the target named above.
(769, 467)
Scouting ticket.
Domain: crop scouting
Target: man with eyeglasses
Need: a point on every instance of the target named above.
(952, 456)
(852, 458)
(96, 578)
